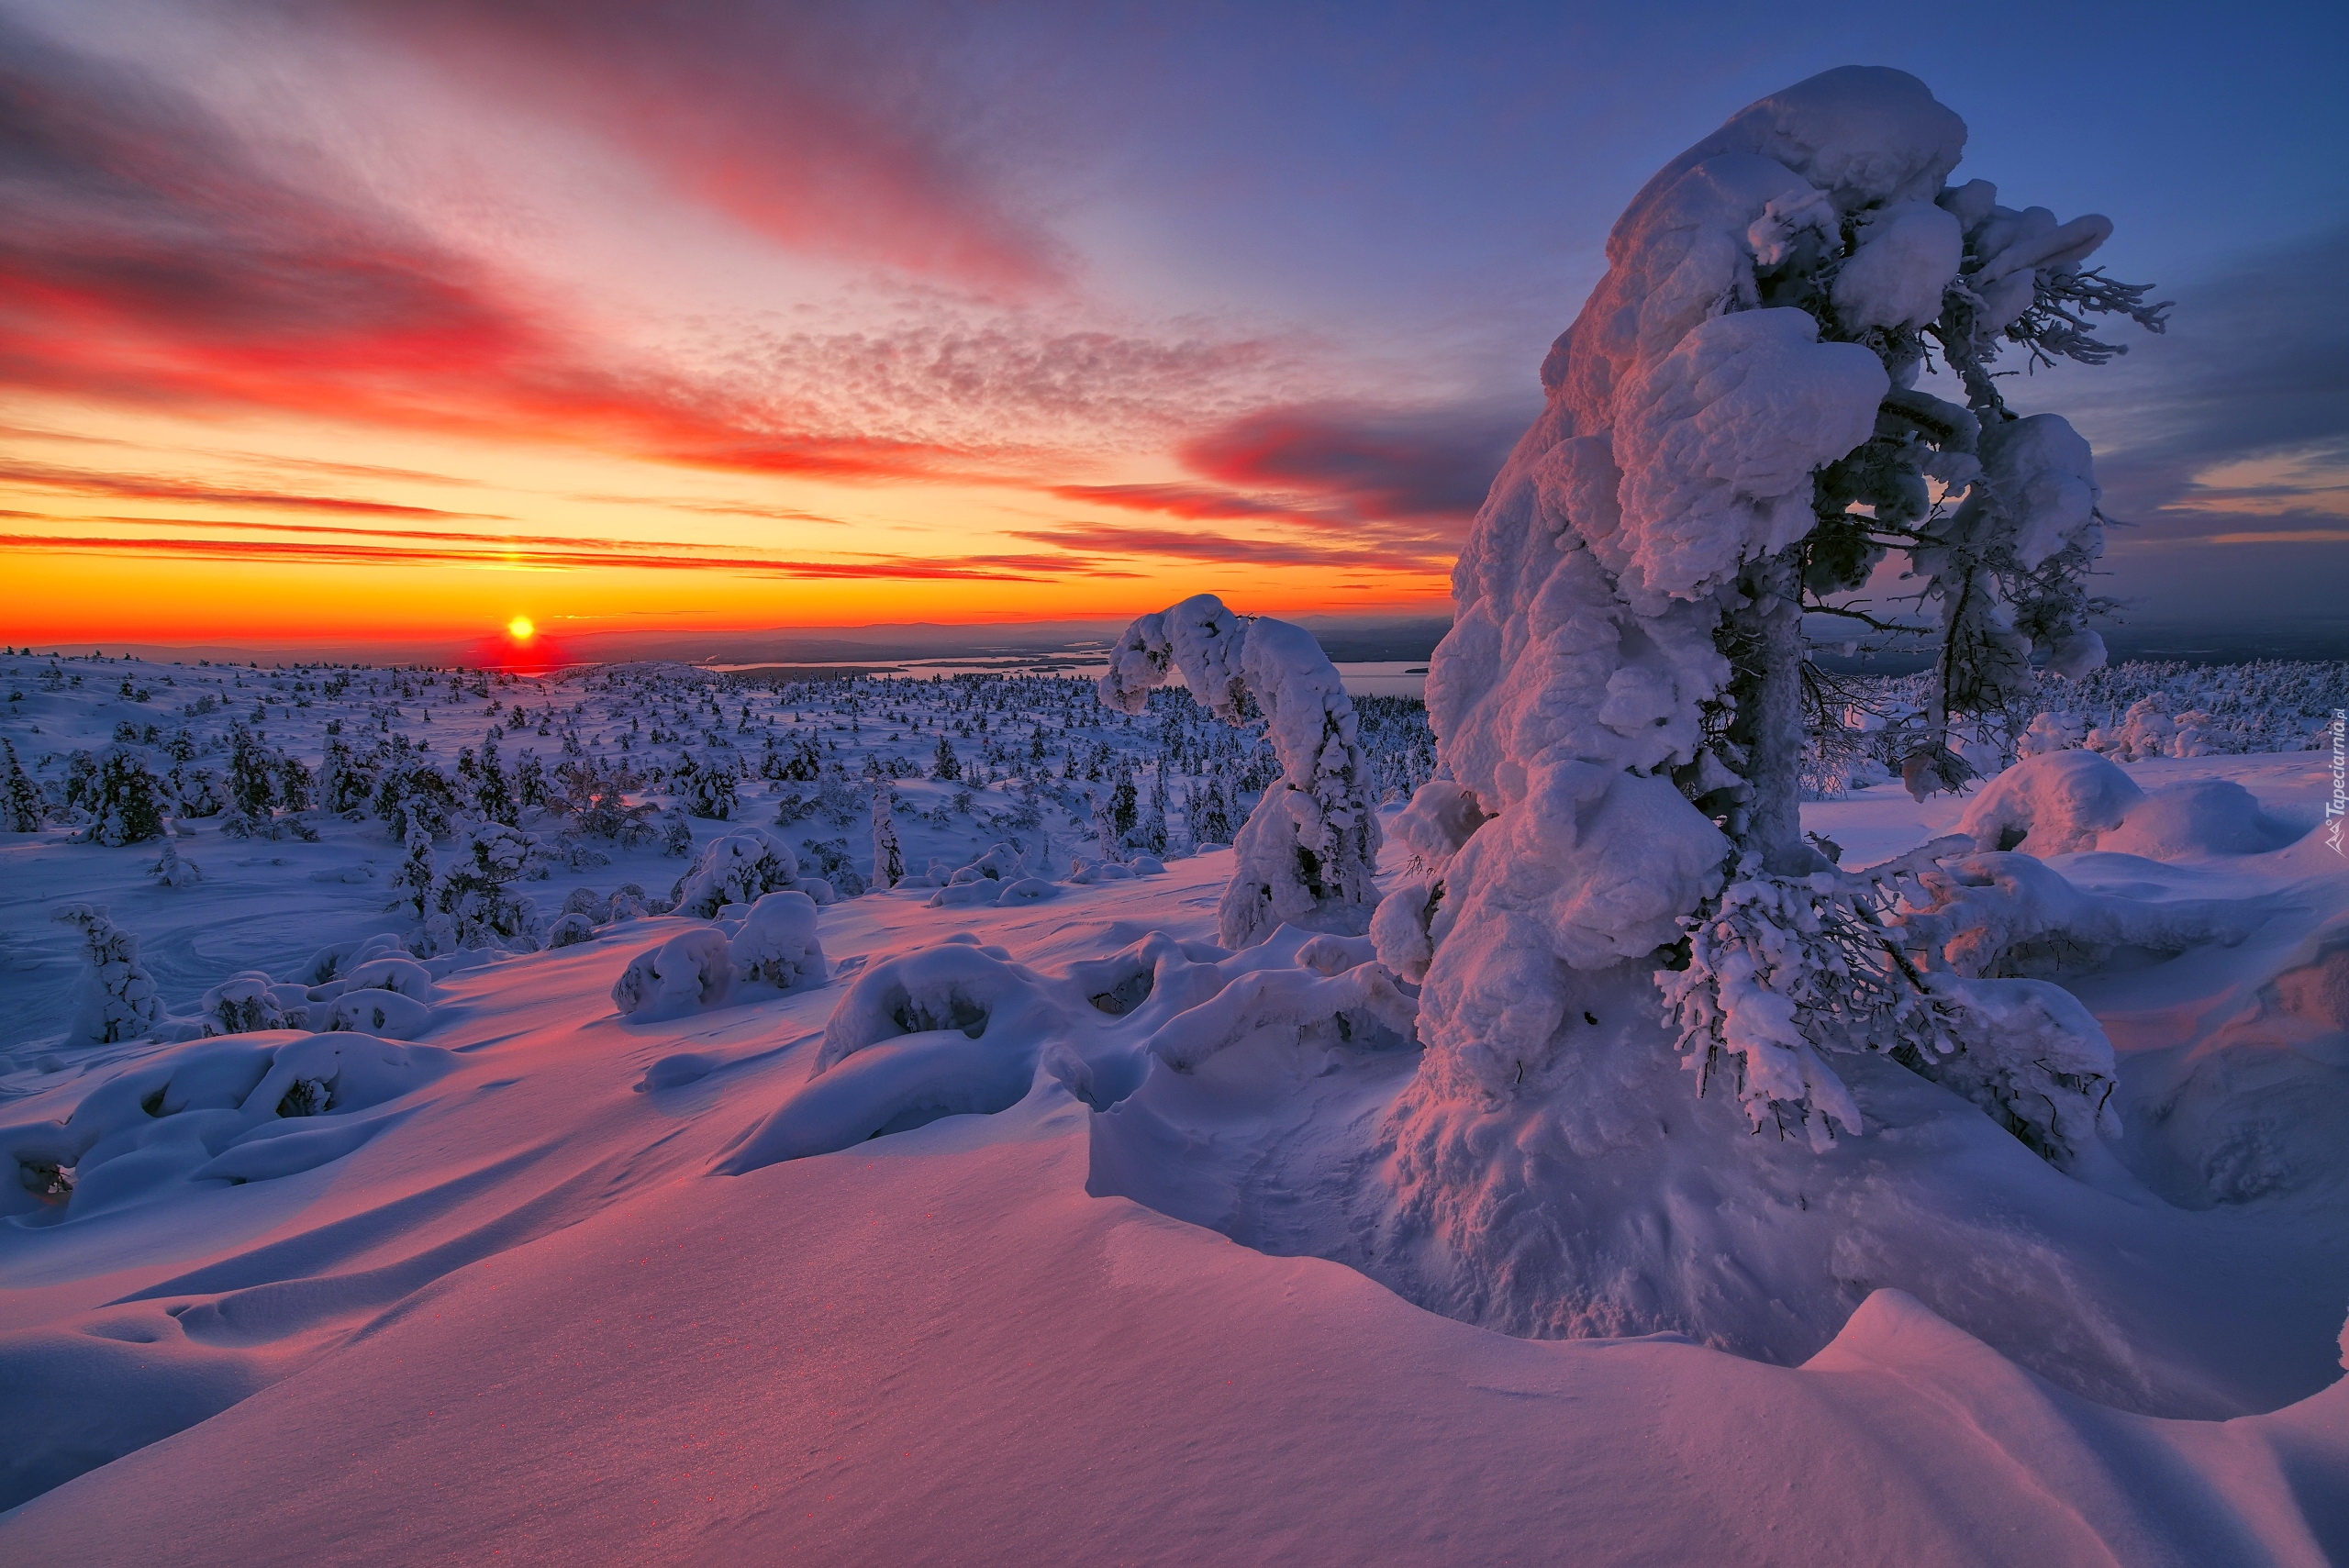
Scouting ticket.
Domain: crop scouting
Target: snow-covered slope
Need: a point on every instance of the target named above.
(551, 1282)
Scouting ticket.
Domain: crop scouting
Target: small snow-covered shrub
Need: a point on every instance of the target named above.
(241, 1003)
(172, 871)
(829, 859)
(708, 789)
(777, 944)
(118, 999)
(2007, 915)
(691, 971)
(569, 931)
(740, 868)
(385, 1013)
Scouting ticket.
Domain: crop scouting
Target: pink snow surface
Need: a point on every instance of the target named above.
(529, 1318)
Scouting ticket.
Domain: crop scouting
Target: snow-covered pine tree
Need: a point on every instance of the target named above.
(1120, 815)
(708, 789)
(1735, 429)
(889, 859)
(21, 807)
(476, 889)
(295, 788)
(945, 764)
(412, 882)
(252, 778)
(126, 800)
(493, 791)
(1149, 834)
(118, 999)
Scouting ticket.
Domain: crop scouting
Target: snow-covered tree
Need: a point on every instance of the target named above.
(171, 870)
(413, 881)
(493, 795)
(945, 764)
(889, 859)
(252, 775)
(1735, 434)
(125, 800)
(707, 788)
(21, 809)
(118, 999)
(1308, 853)
(475, 891)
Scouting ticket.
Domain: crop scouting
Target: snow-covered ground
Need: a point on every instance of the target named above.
(519, 1274)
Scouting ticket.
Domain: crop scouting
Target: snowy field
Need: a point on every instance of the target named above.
(491, 1267)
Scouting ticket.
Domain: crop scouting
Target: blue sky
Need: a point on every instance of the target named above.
(850, 308)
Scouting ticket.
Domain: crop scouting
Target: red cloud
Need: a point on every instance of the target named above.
(149, 259)
(1369, 463)
(825, 128)
(1173, 544)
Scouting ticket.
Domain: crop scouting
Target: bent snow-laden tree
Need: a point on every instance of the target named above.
(1307, 852)
(1734, 435)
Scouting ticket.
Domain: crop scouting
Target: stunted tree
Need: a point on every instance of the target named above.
(1307, 854)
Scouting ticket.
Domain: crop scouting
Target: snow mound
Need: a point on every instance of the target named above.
(230, 1110)
(690, 971)
(959, 1029)
(2055, 803)
(777, 945)
(2072, 801)
(2196, 819)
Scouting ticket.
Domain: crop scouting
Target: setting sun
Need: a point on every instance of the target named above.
(520, 629)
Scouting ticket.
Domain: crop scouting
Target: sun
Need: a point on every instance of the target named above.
(520, 629)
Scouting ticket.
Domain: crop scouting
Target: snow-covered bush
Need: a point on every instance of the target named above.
(691, 971)
(117, 1000)
(827, 859)
(387, 1014)
(569, 929)
(244, 1003)
(777, 944)
(1308, 853)
(706, 789)
(740, 868)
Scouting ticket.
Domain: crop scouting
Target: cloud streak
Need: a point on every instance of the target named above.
(136, 488)
(1011, 568)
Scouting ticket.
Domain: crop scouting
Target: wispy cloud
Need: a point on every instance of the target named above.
(142, 488)
(1174, 544)
(1011, 568)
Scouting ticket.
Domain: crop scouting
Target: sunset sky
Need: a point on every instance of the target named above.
(401, 318)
